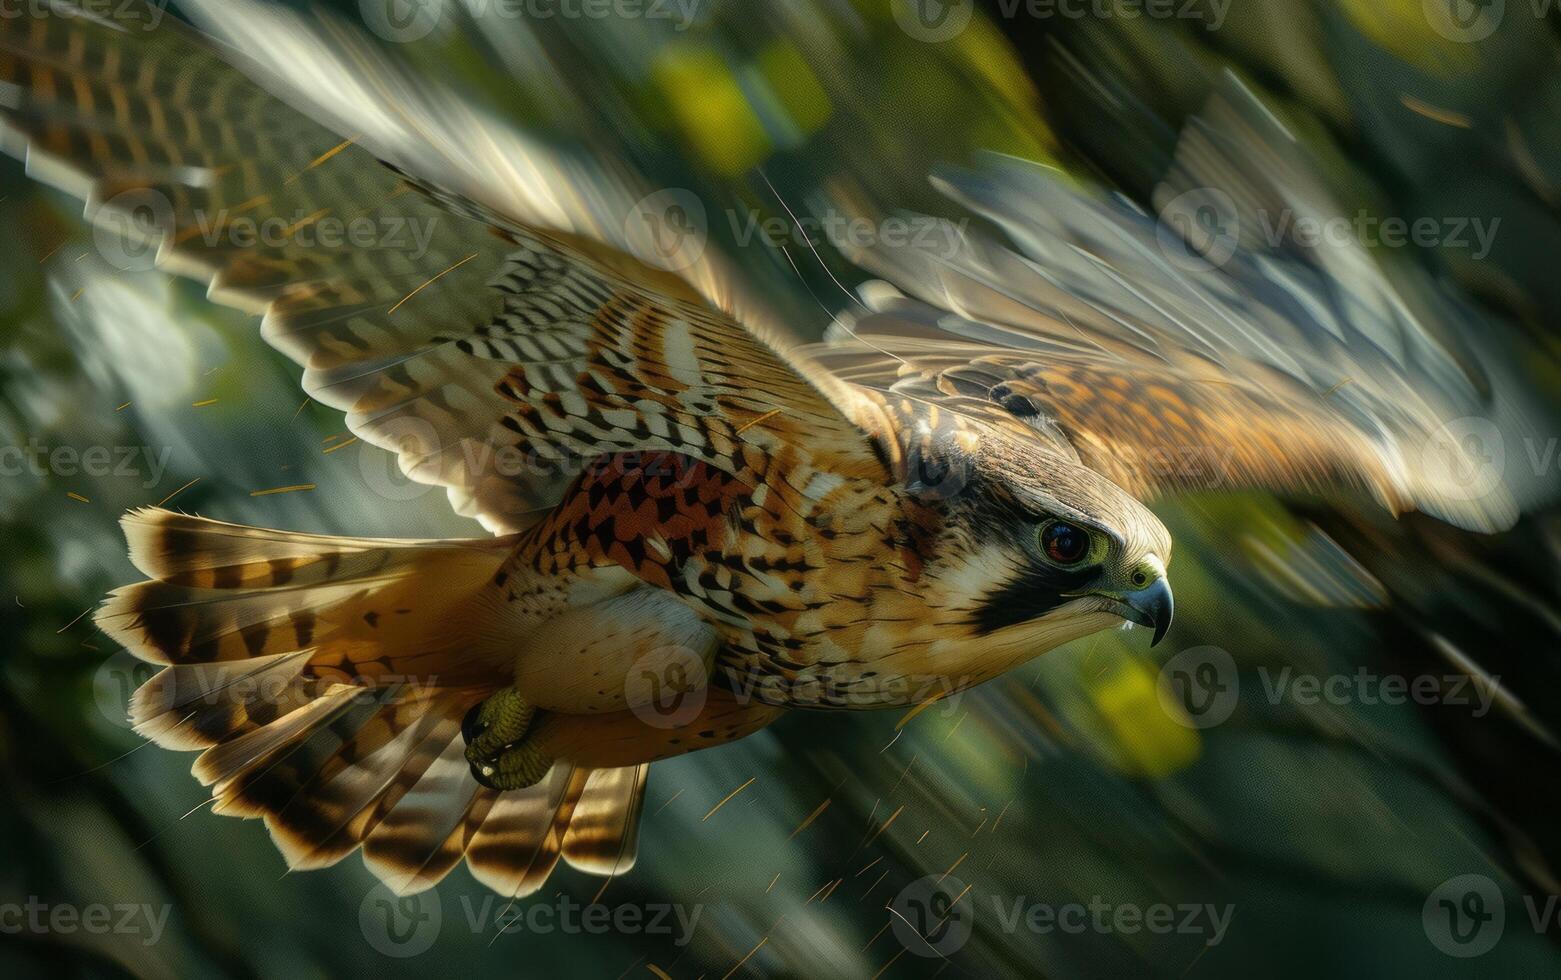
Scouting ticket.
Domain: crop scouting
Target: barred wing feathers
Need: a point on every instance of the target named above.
(1214, 360)
(494, 354)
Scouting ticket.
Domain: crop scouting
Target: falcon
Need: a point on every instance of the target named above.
(685, 509)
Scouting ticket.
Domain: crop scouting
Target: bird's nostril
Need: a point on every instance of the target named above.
(1140, 578)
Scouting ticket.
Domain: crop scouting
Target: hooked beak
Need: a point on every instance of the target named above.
(1150, 606)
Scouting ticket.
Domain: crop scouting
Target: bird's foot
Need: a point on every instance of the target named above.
(497, 749)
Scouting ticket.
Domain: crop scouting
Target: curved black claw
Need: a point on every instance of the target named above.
(472, 725)
(484, 773)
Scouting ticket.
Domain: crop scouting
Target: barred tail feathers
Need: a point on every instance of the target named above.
(324, 679)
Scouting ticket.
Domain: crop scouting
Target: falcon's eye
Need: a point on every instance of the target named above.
(1064, 543)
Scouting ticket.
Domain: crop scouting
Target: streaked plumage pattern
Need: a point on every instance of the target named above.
(821, 529)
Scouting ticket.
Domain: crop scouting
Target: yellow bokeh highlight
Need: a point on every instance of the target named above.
(795, 86)
(710, 107)
(1147, 741)
(1403, 28)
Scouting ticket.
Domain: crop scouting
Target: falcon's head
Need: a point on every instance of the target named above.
(1036, 545)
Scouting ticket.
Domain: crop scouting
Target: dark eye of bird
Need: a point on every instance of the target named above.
(1065, 544)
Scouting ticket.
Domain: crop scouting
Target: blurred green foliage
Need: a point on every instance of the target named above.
(1326, 828)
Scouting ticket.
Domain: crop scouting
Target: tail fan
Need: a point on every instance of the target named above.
(324, 679)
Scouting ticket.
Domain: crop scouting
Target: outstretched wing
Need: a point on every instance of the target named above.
(495, 352)
(1170, 363)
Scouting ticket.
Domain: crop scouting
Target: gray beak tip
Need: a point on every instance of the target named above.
(1159, 632)
(1155, 607)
